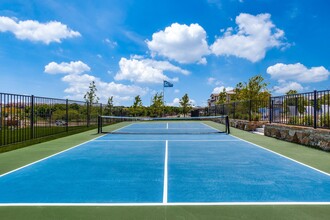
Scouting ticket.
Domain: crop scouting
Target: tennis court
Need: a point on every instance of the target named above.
(165, 163)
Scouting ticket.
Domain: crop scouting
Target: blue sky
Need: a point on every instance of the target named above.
(56, 48)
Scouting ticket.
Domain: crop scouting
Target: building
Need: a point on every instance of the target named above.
(215, 97)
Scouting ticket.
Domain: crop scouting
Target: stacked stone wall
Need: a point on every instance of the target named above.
(243, 124)
(317, 138)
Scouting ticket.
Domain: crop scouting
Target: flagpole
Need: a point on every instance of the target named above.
(163, 97)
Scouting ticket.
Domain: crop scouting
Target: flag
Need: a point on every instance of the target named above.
(167, 84)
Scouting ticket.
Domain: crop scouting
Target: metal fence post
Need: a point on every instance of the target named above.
(32, 118)
(234, 109)
(250, 109)
(99, 124)
(271, 103)
(67, 114)
(1, 120)
(88, 114)
(315, 109)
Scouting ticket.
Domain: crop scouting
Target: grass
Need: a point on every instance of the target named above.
(18, 138)
(313, 157)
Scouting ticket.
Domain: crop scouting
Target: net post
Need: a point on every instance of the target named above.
(67, 115)
(99, 124)
(227, 125)
(315, 110)
(32, 117)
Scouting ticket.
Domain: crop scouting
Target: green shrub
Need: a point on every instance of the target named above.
(325, 120)
(255, 117)
(308, 120)
(294, 120)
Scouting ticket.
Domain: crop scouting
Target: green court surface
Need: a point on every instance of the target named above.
(18, 158)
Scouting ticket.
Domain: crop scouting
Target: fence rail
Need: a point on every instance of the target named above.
(25, 117)
(311, 109)
(252, 110)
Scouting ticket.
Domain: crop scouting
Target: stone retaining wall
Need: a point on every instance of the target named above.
(317, 138)
(244, 124)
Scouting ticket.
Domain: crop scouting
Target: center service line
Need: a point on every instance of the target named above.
(165, 174)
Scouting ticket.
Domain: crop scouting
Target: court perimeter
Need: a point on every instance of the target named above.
(184, 176)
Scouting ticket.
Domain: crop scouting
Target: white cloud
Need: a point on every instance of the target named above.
(213, 81)
(146, 70)
(255, 35)
(298, 72)
(34, 31)
(284, 87)
(175, 102)
(192, 102)
(78, 86)
(110, 43)
(176, 90)
(182, 43)
(78, 83)
(74, 67)
(217, 90)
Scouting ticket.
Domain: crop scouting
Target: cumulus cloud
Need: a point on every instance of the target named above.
(284, 87)
(34, 31)
(213, 81)
(74, 67)
(78, 83)
(254, 36)
(146, 70)
(298, 72)
(217, 90)
(182, 43)
(176, 102)
(78, 86)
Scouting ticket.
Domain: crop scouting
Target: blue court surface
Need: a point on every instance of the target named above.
(165, 169)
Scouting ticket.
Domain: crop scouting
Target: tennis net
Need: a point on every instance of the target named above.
(145, 125)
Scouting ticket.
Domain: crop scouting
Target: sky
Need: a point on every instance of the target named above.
(55, 48)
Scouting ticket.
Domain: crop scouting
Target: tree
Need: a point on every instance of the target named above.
(109, 107)
(91, 98)
(185, 104)
(291, 92)
(255, 89)
(157, 106)
(90, 95)
(299, 102)
(136, 108)
(222, 97)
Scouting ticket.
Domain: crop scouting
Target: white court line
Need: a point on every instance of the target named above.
(169, 204)
(169, 129)
(122, 127)
(282, 156)
(210, 126)
(170, 140)
(45, 158)
(165, 174)
(166, 125)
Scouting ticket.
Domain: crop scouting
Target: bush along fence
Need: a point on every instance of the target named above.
(25, 117)
(310, 109)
